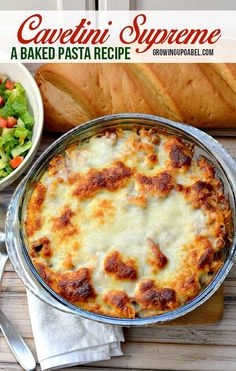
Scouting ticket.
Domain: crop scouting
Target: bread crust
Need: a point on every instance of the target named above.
(202, 95)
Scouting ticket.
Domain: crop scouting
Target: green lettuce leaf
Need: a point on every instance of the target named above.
(14, 141)
(17, 105)
(21, 149)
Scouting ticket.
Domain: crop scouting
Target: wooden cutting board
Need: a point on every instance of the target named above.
(208, 313)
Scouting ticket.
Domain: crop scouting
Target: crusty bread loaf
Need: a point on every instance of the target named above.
(203, 95)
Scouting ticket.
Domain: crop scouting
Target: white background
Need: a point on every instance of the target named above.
(119, 4)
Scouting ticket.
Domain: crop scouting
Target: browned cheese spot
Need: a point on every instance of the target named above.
(120, 301)
(180, 153)
(140, 200)
(56, 164)
(41, 248)
(160, 184)
(68, 262)
(207, 169)
(122, 270)
(109, 179)
(73, 177)
(63, 223)
(150, 296)
(205, 252)
(104, 209)
(46, 274)
(189, 286)
(76, 286)
(202, 190)
(34, 222)
(201, 194)
(65, 219)
(158, 259)
(140, 146)
(205, 256)
(178, 157)
(151, 134)
(152, 158)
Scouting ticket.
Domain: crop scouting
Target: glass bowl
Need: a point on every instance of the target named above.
(204, 145)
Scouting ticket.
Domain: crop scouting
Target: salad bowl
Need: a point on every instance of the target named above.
(24, 95)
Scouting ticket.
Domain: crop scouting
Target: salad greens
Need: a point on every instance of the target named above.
(16, 126)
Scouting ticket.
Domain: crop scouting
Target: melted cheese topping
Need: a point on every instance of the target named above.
(128, 223)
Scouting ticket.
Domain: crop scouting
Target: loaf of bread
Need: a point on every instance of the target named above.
(203, 95)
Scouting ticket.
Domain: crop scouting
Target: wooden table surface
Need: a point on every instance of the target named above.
(211, 347)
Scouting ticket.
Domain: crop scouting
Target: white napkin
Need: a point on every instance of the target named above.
(64, 340)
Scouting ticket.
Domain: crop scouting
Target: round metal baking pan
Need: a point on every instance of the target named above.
(16, 245)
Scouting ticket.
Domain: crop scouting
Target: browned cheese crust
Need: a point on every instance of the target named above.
(129, 223)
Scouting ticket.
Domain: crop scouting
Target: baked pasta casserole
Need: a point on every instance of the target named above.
(129, 223)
